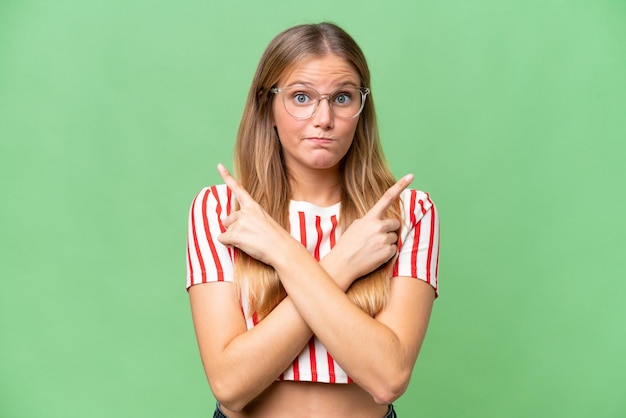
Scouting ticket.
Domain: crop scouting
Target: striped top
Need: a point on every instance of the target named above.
(316, 228)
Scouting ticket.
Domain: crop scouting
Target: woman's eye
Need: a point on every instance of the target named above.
(301, 98)
(342, 98)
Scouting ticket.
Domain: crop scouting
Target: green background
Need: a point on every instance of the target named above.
(113, 115)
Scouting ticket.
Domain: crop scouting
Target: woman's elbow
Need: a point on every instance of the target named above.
(226, 396)
(389, 391)
(387, 396)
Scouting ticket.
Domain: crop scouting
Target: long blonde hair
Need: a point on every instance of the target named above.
(260, 168)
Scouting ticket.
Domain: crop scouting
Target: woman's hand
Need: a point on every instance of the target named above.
(250, 229)
(371, 240)
(365, 245)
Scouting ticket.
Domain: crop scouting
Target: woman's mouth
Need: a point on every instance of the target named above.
(319, 139)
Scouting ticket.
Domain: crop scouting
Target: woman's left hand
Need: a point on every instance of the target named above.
(251, 228)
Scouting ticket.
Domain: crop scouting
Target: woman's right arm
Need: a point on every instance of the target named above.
(239, 363)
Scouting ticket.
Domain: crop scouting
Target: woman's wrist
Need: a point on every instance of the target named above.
(338, 270)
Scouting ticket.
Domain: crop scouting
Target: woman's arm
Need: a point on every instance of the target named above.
(240, 364)
(387, 345)
(378, 353)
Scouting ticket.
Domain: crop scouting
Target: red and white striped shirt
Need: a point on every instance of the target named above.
(316, 228)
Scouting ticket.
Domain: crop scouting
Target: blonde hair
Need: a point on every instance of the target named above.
(260, 168)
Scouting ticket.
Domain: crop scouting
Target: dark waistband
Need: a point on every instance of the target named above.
(391, 413)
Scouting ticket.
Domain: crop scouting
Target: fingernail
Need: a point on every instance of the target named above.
(408, 178)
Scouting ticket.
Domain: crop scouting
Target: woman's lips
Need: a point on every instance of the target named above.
(319, 140)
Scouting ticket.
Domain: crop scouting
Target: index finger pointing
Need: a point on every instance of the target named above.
(240, 193)
(387, 199)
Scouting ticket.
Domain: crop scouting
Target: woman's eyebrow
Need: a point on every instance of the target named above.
(299, 83)
(335, 87)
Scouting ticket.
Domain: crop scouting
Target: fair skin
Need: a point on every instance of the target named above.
(242, 366)
(314, 147)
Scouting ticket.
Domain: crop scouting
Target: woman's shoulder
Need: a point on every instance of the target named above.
(217, 198)
(416, 200)
(216, 192)
(417, 205)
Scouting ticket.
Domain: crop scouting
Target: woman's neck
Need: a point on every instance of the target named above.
(321, 189)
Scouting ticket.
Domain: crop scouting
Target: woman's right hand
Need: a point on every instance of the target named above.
(251, 228)
(369, 241)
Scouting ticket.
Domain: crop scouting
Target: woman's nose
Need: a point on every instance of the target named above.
(323, 117)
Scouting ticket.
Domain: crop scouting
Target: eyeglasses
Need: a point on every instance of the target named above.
(302, 102)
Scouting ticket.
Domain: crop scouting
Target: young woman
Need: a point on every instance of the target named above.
(311, 277)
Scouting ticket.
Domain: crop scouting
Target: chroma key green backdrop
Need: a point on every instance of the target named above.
(512, 114)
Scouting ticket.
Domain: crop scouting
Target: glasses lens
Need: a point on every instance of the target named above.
(301, 102)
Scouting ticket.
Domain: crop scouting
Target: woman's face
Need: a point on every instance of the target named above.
(321, 141)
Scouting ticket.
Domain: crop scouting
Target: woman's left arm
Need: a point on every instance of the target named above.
(377, 353)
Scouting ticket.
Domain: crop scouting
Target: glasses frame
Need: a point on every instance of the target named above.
(363, 90)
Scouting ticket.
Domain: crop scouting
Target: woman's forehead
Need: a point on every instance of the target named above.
(320, 70)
